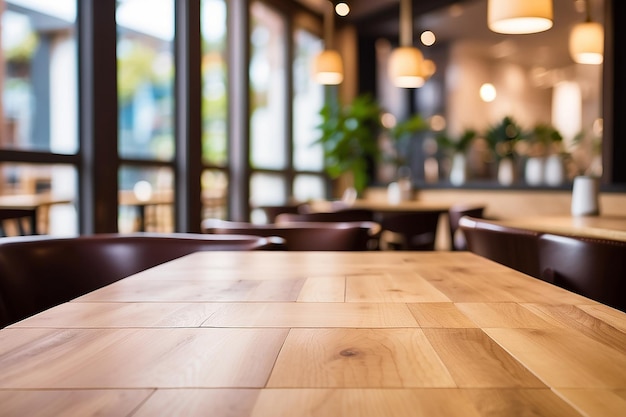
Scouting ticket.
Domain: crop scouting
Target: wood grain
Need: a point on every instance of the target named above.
(596, 402)
(440, 315)
(508, 315)
(355, 358)
(391, 288)
(199, 403)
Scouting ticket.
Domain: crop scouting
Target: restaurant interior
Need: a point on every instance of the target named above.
(312, 208)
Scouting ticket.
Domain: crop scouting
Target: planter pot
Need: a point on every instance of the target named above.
(585, 196)
(458, 170)
(506, 171)
(553, 172)
(533, 172)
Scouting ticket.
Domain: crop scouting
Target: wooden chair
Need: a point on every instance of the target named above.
(305, 236)
(412, 230)
(22, 222)
(457, 240)
(38, 272)
(594, 268)
(515, 248)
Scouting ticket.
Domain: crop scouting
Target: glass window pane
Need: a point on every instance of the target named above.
(50, 189)
(214, 82)
(145, 63)
(146, 199)
(266, 190)
(39, 96)
(267, 85)
(309, 187)
(214, 192)
(307, 102)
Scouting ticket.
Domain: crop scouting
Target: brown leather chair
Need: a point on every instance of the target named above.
(343, 215)
(594, 268)
(457, 240)
(515, 248)
(411, 230)
(38, 272)
(17, 217)
(272, 211)
(305, 236)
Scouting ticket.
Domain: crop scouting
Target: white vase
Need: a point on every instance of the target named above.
(553, 171)
(458, 170)
(585, 196)
(506, 173)
(533, 172)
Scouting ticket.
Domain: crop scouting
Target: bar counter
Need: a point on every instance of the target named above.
(319, 334)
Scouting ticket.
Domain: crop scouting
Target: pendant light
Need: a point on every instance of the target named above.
(406, 61)
(328, 66)
(519, 16)
(586, 40)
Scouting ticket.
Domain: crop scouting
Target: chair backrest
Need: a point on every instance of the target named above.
(594, 268)
(457, 240)
(38, 272)
(305, 236)
(515, 248)
(16, 218)
(344, 215)
(410, 230)
(271, 212)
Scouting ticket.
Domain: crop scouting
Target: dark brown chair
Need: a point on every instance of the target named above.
(272, 211)
(305, 236)
(411, 230)
(515, 248)
(457, 240)
(344, 215)
(24, 221)
(38, 272)
(594, 268)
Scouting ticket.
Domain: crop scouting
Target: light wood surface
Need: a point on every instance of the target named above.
(601, 227)
(319, 334)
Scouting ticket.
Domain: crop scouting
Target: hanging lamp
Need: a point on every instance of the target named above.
(519, 16)
(586, 40)
(406, 62)
(328, 66)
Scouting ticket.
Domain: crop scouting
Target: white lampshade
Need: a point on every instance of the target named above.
(328, 67)
(586, 43)
(519, 16)
(405, 67)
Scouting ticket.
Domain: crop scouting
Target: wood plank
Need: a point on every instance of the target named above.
(354, 315)
(475, 361)
(199, 403)
(69, 403)
(142, 358)
(356, 358)
(440, 315)
(92, 315)
(197, 291)
(564, 358)
(507, 315)
(606, 314)
(364, 403)
(323, 289)
(520, 402)
(596, 402)
(392, 287)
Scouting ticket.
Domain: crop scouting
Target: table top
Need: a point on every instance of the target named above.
(384, 206)
(31, 201)
(602, 227)
(319, 334)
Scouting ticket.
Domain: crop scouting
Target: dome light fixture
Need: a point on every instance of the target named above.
(328, 65)
(513, 17)
(586, 40)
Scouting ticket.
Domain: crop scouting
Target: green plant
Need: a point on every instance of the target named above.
(402, 133)
(458, 144)
(349, 137)
(544, 138)
(503, 136)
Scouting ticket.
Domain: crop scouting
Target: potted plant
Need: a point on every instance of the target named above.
(458, 147)
(501, 139)
(349, 138)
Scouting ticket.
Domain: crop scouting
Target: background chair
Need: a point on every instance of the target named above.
(305, 236)
(457, 240)
(272, 211)
(414, 230)
(38, 272)
(515, 248)
(594, 268)
(21, 222)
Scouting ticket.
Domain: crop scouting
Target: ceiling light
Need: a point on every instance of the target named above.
(328, 66)
(586, 41)
(342, 9)
(519, 16)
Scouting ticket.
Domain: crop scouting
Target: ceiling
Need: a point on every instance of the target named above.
(452, 20)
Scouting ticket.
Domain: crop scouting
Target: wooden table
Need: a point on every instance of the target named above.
(39, 204)
(319, 334)
(602, 227)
